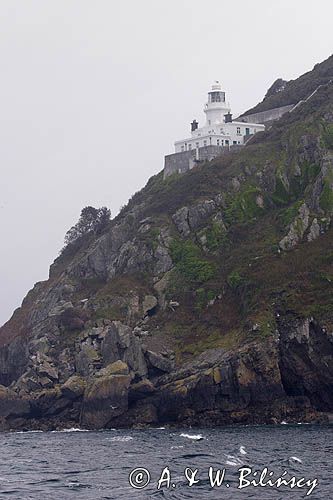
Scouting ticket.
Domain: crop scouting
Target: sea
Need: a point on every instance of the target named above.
(235, 462)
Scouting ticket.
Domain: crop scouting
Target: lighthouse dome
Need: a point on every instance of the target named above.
(216, 86)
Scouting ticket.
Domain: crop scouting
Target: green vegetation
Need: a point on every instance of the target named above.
(202, 297)
(281, 195)
(216, 236)
(189, 263)
(328, 136)
(287, 215)
(326, 198)
(235, 280)
(243, 207)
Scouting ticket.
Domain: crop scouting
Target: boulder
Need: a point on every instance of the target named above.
(159, 362)
(11, 405)
(105, 398)
(180, 219)
(149, 304)
(116, 368)
(47, 370)
(87, 359)
(74, 387)
(120, 343)
(141, 390)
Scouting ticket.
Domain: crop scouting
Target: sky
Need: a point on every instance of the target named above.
(93, 94)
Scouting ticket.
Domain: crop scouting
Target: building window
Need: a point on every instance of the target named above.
(226, 142)
(247, 131)
(205, 143)
(238, 130)
(234, 142)
(218, 142)
(197, 144)
(190, 146)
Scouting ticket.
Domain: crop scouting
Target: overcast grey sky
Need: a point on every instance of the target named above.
(93, 93)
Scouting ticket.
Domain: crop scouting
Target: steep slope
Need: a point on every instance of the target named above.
(208, 300)
(284, 93)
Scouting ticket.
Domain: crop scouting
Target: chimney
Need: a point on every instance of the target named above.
(228, 118)
(194, 125)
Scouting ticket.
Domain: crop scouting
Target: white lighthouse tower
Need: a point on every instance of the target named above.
(216, 108)
(219, 134)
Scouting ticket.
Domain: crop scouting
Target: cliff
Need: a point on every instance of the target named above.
(207, 300)
(283, 93)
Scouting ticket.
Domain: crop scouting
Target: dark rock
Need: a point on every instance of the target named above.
(159, 362)
(11, 405)
(104, 399)
(74, 387)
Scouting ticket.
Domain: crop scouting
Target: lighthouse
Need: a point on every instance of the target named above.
(219, 134)
(216, 108)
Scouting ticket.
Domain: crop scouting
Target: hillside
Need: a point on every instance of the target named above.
(295, 90)
(207, 300)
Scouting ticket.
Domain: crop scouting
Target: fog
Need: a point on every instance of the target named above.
(94, 93)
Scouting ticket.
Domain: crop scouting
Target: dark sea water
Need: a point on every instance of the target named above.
(96, 465)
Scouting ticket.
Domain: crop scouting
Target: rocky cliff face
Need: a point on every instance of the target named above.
(208, 300)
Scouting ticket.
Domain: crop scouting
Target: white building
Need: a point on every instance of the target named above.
(220, 129)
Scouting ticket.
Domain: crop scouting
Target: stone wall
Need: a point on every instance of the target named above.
(266, 116)
(182, 162)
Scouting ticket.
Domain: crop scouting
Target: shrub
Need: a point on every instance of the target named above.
(234, 280)
(326, 198)
(216, 236)
(243, 207)
(188, 261)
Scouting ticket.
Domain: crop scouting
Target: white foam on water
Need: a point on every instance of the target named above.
(25, 432)
(72, 429)
(234, 464)
(120, 439)
(242, 450)
(194, 437)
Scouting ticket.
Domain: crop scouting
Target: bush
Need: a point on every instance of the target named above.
(188, 261)
(216, 236)
(234, 280)
(326, 198)
(243, 206)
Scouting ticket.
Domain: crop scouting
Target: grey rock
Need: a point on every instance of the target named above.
(74, 387)
(180, 219)
(200, 212)
(46, 370)
(314, 230)
(104, 399)
(11, 405)
(149, 303)
(60, 308)
(120, 342)
(160, 362)
(297, 229)
(41, 345)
